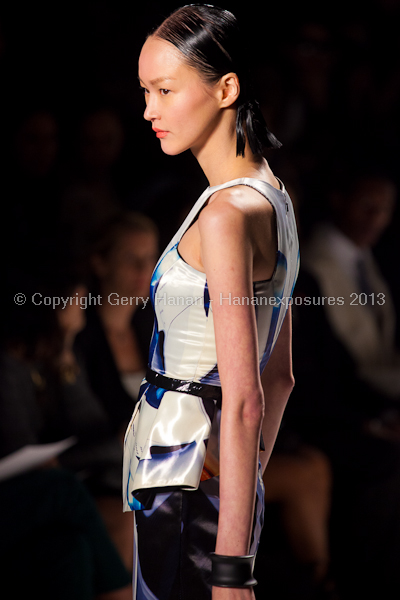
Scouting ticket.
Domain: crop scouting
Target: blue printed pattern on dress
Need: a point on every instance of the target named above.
(172, 439)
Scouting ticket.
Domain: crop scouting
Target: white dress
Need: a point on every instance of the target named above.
(171, 444)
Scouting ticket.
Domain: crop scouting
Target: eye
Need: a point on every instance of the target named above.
(164, 92)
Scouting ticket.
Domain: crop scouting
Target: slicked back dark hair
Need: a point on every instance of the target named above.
(211, 42)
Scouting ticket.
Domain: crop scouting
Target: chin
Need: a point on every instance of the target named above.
(170, 150)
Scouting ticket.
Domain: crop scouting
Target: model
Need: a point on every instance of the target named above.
(220, 293)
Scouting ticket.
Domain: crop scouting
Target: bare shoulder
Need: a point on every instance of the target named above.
(225, 211)
(235, 205)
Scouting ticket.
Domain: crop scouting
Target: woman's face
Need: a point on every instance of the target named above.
(128, 268)
(183, 110)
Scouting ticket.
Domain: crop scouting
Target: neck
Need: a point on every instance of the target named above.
(218, 159)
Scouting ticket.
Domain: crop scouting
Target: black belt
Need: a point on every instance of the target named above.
(204, 390)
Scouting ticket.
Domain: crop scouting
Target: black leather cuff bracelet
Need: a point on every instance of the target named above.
(232, 571)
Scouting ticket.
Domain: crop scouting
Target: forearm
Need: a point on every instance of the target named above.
(276, 398)
(239, 448)
(277, 382)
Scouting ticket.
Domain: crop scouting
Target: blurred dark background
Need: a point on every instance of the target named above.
(76, 155)
(327, 78)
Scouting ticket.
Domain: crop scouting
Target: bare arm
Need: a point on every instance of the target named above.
(227, 256)
(277, 381)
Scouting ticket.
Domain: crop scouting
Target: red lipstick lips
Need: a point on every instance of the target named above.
(160, 133)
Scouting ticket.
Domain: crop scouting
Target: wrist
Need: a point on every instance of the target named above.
(232, 571)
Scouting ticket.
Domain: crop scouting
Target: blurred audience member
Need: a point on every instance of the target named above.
(58, 400)
(45, 397)
(31, 188)
(298, 480)
(100, 146)
(115, 342)
(345, 401)
(36, 145)
(340, 258)
(93, 196)
(307, 111)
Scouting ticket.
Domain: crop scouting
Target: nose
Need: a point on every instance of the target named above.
(151, 112)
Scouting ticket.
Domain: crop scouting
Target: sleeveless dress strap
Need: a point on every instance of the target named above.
(186, 223)
(257, 184)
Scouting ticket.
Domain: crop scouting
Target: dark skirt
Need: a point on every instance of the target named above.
(173, 541)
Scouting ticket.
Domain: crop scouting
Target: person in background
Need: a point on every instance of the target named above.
(31, 188)
(116, 338)
(339, 256)
(94, 193)
(60, 547)
(344, 344)
(115, 341)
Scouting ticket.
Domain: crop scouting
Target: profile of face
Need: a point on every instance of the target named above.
(368, 211)
(36, 144)
(183, 109)
(127, 268)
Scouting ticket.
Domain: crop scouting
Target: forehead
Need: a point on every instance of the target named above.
(159, 58)
(138, 239)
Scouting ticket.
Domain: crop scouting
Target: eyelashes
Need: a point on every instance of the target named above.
(163, 91)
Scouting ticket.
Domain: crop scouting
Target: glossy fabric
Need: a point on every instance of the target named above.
(174, 540)
(172, 439)
(171, 459)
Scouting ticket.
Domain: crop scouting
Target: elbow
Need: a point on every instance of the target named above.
(284, 377)
(290, 383)
(283, 382)
(253, 410)
(277, 389)
(285, 385)
(244, 409)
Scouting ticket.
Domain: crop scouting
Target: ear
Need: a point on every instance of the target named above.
(229, 89)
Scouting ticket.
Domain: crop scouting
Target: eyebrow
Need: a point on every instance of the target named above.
(159, 80)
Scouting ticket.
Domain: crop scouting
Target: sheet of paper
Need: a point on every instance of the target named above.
(29, 457)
